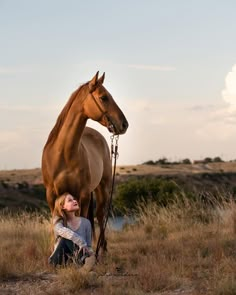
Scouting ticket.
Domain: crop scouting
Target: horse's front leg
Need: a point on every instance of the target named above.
(51, 197)
(84, 200)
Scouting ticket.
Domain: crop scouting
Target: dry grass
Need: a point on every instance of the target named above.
(31, 176)
(183, 248)
(176, 169)
(24, 245)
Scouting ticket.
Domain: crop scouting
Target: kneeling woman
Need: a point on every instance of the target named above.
(73, 234)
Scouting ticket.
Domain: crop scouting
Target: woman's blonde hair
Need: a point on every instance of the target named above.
(58, 208)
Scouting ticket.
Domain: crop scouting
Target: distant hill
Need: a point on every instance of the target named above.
(171, 169)
(23, 189)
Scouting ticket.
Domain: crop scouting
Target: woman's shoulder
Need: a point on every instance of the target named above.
(57, 219)
(84, 220)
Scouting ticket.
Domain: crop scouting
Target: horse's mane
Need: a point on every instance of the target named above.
(61, 118)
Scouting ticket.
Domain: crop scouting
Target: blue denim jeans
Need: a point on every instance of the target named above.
(64, 251)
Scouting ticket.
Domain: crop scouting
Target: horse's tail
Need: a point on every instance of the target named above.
(91, 216)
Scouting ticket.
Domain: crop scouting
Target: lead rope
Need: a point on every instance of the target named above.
(114, 155)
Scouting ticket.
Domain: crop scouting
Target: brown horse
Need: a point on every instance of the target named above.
(76, 159)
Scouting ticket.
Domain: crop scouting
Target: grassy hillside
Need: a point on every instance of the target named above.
(33, 176)
(20, 189)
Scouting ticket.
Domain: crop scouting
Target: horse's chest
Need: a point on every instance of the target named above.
(72, 181)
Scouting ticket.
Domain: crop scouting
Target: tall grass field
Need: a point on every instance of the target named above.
(184, 248)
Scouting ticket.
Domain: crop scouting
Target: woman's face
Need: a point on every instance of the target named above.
(70, 204)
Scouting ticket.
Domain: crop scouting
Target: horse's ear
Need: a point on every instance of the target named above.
(101, 79)
(93, 83)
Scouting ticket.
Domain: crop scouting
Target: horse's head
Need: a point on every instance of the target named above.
(101, 107)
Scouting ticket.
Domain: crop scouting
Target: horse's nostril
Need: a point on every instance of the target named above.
(125, 125)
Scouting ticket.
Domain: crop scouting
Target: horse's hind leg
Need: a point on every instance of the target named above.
(102, 198)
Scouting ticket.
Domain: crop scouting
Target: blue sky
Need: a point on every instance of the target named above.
(169, 65)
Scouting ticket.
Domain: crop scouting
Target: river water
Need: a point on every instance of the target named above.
(118, 222)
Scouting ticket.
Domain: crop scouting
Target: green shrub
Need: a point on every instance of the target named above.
(186, 161)
(217, 160)
(157, 190)
(150, 162)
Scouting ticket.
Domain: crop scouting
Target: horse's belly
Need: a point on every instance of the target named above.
(96, 170)
(98, 156)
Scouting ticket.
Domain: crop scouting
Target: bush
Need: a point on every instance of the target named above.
(186, 161)
(150, 162)
(207, 160)
(217, 160)
(156, 190)
(162, 161)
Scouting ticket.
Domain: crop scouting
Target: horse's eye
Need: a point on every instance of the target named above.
(104, 98)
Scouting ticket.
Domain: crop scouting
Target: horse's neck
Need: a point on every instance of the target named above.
(70, 134)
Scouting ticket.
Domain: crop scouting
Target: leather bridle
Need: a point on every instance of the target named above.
(104, 114)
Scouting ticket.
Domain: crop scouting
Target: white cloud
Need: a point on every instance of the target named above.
(229, 93)
(152, 67)
(218, 131)
(219, 124)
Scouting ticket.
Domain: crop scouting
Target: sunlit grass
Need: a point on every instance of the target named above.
(25, 244)
(185, 246)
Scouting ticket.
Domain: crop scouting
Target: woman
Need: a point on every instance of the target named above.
(73, 234)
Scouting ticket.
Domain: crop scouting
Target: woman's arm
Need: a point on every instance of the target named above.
(65, 232)
(88, 232)
(88, 236)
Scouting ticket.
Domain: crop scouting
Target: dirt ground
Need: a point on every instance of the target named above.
(46, 283)
(35, 284)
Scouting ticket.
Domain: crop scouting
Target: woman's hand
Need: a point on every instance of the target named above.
(84, 251)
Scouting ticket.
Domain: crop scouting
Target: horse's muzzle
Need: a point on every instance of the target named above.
(122, 128)
(125, 126)
(117, 128)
